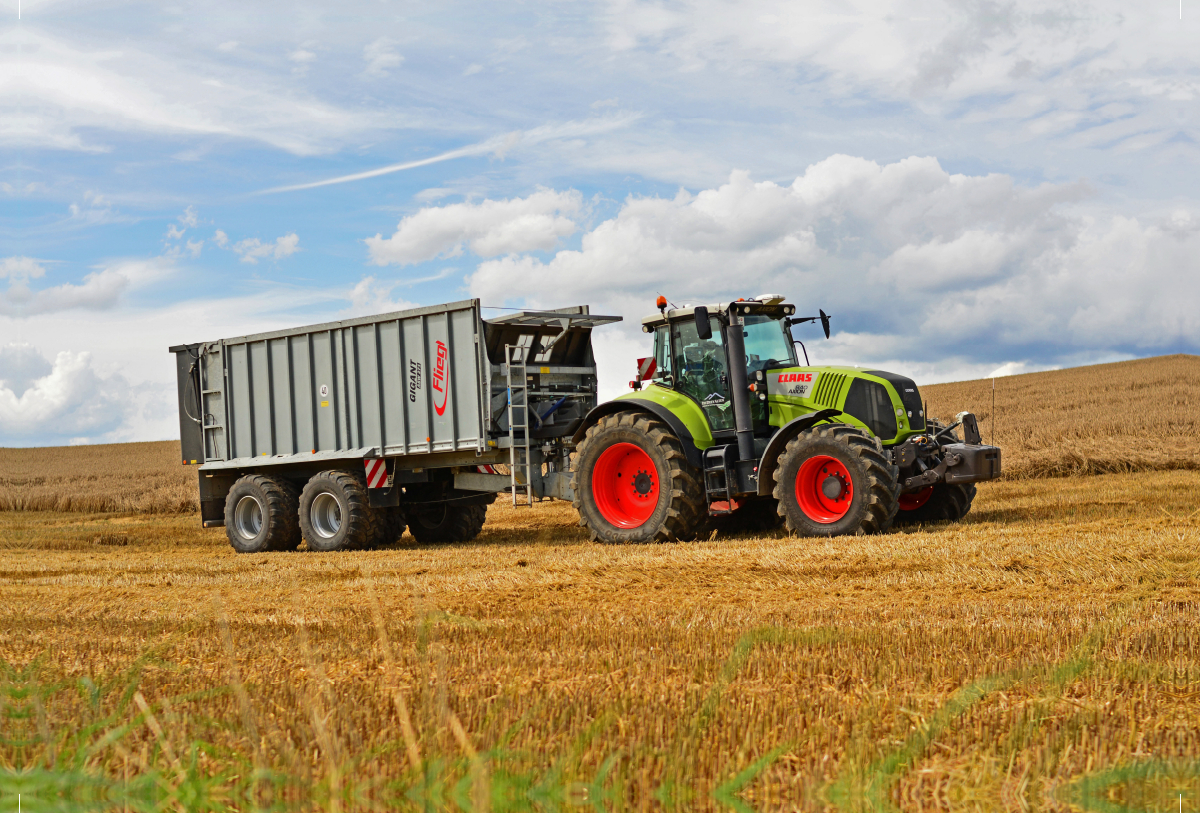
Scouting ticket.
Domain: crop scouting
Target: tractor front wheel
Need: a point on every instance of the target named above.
(835, 480)
(633, 482)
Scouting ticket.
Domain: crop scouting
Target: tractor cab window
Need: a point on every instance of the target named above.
(662, 353)
(700, 371)
(767, 345)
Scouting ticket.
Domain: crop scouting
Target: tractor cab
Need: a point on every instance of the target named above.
(695, 350)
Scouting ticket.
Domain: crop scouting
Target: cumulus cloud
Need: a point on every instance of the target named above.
(491, 228)
(381, 56)
(99, 290)
(21, 268)
(20, 366)
(1093, 73)
(372, 296)
(915, 263)
(252, 249)
(57, 401)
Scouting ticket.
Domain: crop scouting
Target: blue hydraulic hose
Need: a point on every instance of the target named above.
(550, 411)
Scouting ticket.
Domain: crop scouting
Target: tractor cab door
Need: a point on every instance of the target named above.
(698, 367)
(768, 347)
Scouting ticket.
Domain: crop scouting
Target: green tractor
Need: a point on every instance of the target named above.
(725, 428)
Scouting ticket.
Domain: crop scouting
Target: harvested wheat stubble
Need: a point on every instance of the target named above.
(981, 665)
(129, 477)
(1139, 415)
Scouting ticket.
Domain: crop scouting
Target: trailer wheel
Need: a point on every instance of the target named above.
(633, 482)
(390, 524)
(336, 513)
(937, 503)
(446, 522)
(260, 514)
(834, 480)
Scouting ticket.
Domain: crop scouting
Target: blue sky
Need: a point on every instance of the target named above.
(968, 187)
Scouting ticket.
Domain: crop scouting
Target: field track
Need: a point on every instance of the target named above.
(1042, 655)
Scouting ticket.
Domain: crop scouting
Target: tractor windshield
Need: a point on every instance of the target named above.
(767, 345)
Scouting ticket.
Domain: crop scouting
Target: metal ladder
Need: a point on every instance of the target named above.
(518, 406)
(209, 442)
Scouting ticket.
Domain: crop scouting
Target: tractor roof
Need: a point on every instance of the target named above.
(687, 311)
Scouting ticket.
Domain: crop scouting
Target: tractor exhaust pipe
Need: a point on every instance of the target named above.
(738, 387)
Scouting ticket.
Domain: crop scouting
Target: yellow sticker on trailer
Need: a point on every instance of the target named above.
(545, 369)
(324, 403)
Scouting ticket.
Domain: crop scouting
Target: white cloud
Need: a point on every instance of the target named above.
(21, 268)
(381, 56)
(188, 218)
(1093, 73)
(60, 401)
(227, 46)
(371, 296)
(472, 69)
(435, 193)
(20, 366)
(194, 247)
(252, 249)
(499, 146)
(53, 90)
(99, 290)
(221, 238)
(490, 228)
(302, 56)
(174, 232)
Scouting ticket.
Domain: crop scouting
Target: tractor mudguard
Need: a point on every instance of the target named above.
(766, 466)
(693, 453)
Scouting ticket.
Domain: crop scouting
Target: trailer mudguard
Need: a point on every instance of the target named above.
(627, 404)
(766, 466)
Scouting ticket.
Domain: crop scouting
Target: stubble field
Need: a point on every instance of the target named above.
(1040, 655)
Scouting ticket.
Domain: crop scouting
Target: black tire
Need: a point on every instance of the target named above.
(680, 510)
(446, 522)
(389, 526)
(261, 514)
(949, 502)
(336, 513)
(874, 487)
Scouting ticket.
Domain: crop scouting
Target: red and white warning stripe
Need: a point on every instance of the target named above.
(377, 476)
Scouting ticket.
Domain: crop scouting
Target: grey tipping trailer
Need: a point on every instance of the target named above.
(348, 432)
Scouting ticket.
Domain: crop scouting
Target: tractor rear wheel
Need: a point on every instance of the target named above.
(834, 480)
(936, 503)
(633, 482)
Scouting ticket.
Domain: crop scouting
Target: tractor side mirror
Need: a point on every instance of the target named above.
(703, 326)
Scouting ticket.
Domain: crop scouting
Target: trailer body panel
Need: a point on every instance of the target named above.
(405, 383)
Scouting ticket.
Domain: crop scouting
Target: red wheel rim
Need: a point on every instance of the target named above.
(625, 485)
(915, 499)
(824, 489)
